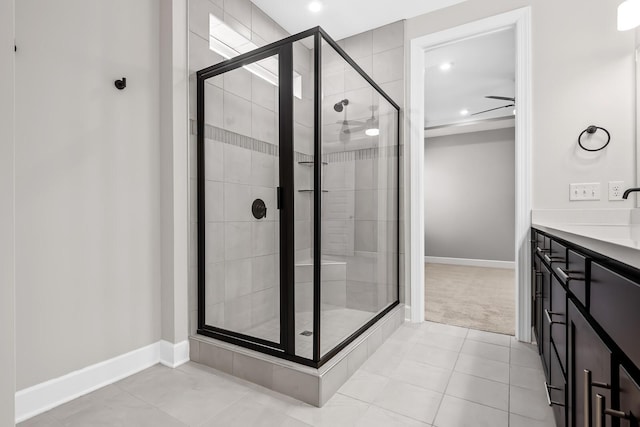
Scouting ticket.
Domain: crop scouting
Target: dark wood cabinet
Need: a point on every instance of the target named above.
(586, 320)
(590, 366)
(629, 400)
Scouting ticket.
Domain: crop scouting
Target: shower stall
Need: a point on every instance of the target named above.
(297, 198)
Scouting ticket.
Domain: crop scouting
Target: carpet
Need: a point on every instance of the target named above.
(472, 297)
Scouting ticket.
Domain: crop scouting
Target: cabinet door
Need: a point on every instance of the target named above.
(536, 308)
(558, 316)
(629, 400)
(590, 358)
(556, 389)
(614, 305)
(545, 328)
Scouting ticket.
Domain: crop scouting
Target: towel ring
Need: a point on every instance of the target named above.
(591, 130)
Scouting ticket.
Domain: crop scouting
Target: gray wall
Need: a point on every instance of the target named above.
(7, 260)
(87, 184)
(469, 182)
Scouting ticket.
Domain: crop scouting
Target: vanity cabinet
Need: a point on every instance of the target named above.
(586, 320)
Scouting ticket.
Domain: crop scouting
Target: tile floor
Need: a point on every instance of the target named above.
(423, 375)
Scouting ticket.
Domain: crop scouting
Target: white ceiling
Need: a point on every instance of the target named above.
(482, 66)
(344, 18)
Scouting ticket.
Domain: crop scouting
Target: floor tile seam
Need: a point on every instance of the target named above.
(445, 390)
(466, 399)
(409, 416)
(485, 342)
(477, 403)
(123, 390)
(354, 398)
(482, 378)
(431, 365)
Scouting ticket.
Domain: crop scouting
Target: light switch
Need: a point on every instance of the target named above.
(584, 191)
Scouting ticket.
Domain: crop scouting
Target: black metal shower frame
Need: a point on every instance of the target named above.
(286, 348)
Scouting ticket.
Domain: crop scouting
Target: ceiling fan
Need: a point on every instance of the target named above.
(370, 126)
(500, 98)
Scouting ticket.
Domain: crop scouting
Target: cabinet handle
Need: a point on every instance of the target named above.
(551, 313)
(602, 411)
(565, 275)
(549, 401)
(550, 259)
(539, 250)
(588, 384)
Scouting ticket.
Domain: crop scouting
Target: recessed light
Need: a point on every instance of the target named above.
(464, 112)
(446, 66)
(315, 6)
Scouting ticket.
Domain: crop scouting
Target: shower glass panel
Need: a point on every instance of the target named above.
(359, 202)
(297, 199)
(303, 182)
(241, 165)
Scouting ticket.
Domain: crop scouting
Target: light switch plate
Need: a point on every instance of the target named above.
(584, 191)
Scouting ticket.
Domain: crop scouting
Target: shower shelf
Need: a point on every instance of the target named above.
(311, 163)
(311, 191)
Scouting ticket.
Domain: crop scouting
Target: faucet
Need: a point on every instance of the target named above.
(629, 191)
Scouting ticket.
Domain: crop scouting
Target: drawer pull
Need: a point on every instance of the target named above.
(541, 251)
(550, 259)
(549, 401)
(551, 313)
(566, 277)
(588, 384)
(602, 411)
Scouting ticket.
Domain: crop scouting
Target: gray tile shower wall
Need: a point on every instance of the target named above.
(241, 158)
(241, 166)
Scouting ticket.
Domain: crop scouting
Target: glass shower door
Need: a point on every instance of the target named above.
(239, 218)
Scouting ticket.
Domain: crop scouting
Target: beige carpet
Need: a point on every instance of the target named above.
(472, 297)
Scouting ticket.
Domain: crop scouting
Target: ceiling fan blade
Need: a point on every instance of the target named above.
(501, 98)
(493, 109)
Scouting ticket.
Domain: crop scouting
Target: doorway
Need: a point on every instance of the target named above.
(469, 182)
(521, 20)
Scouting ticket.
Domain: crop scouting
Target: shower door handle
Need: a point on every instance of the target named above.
(279, 197)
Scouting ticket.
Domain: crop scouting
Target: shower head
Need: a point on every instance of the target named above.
(339, 106)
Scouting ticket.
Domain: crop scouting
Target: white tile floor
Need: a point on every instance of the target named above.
(428, 374)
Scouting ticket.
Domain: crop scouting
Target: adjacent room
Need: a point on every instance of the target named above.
(469, 182)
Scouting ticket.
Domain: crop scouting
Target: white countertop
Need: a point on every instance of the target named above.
(614, 233)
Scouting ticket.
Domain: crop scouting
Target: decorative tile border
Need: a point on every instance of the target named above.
(232, 138)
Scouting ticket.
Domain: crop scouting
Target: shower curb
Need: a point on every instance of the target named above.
(310, 385)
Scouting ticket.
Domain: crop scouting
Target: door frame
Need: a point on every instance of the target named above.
(520, 19)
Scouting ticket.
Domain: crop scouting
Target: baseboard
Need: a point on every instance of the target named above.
(49, 394)
(407, 313)
(174, 355)
(471, 262)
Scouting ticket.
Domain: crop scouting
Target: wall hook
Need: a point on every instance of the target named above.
(591, 130)
(121, 84)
